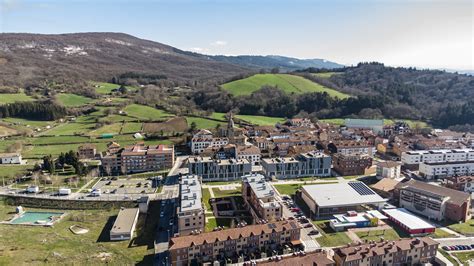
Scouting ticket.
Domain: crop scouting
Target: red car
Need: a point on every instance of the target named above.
(295, 209)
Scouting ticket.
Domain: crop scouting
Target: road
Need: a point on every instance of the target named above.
(168, 198)
(309, 243)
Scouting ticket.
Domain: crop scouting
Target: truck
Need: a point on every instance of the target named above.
(64, 191)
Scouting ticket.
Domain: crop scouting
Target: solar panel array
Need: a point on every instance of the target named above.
(361, 188)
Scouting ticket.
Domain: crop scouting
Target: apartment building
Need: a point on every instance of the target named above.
(388, 169)
(137, 158)
(219, 170)
(231, 243)
(356, 164)
(412, 159)
(409, 251)
(446, 169)
(304, 164)
(434, 202)
(351, 147)
(204, 139)
(191, 218)
(259, 197)
(10, 158)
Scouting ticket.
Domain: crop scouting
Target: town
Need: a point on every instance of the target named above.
(299, 192)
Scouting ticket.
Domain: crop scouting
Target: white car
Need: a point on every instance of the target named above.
(162, 214)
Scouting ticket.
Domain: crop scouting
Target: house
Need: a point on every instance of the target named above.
(461, 183)
(10, 158)
(388, 169)
(124, 225)
(408, 251)
(248, 152)
(434, 202)
(204, 139)
(87, 151)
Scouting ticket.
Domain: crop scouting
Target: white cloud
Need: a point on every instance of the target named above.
(219, 43)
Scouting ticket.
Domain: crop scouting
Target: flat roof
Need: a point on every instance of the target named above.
(259, 186)
(190, 193)
(125, 220)
(408, 219)
(343, 194)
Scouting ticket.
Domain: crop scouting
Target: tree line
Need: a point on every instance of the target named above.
(44, 111)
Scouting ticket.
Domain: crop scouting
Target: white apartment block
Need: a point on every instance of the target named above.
(355, 150)
(190, 213)
(219, 170)
(260, 199)
(437, 156)
(446, 169)
(388, 169)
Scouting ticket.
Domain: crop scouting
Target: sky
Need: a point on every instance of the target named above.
(420, 33)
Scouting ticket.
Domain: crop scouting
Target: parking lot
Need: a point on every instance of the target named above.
(127, 186)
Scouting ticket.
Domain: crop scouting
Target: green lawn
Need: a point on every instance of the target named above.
(58, 140)
(206, 196)
(463, 228)
(329, 238)
(289, 189)
(34, 245)
(388, 234)
(449, 257)
(286, 82)
(261, 120)
(219, 183)
(214, 222)
(14, 97)
(203, 123)
(411, 123)
(464, 257)
(144, 112)
(219, 116)
(73, 100)
(226, 193)
(439, 233)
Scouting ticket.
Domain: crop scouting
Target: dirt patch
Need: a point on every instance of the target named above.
(176, 124)
(7, 131)
(3, 61)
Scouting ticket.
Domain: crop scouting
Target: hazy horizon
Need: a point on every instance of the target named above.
(422, 34)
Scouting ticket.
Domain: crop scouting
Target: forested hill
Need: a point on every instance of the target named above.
(71, 58)
(416, 94)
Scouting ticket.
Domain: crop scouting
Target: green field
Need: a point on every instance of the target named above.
(226, 193)
(71, 128)
(203, 122)
(286, 82)
(73, 100)
(131, 128)
(464, 257)
(14, 97)
(411, 123)
(26, 122)
(261, 120)
(328, 237)
(112, 129)
(10, 171)
(106, 88)
(326, 75)
(144, 112)
(35, 245)
(334, 121)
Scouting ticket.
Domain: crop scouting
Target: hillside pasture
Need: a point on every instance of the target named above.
(144, 112)
(177, 124)
(73, 100)
(286, 82)
(14, 97)
(261, 120)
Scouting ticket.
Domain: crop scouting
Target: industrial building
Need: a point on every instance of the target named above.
(409, 222)
(124, 225)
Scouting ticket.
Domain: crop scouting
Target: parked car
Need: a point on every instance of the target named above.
(313, 232)
(446, 248)
(295, 209)
(307, 225)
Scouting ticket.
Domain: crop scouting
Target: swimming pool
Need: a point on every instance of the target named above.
(39, 218)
